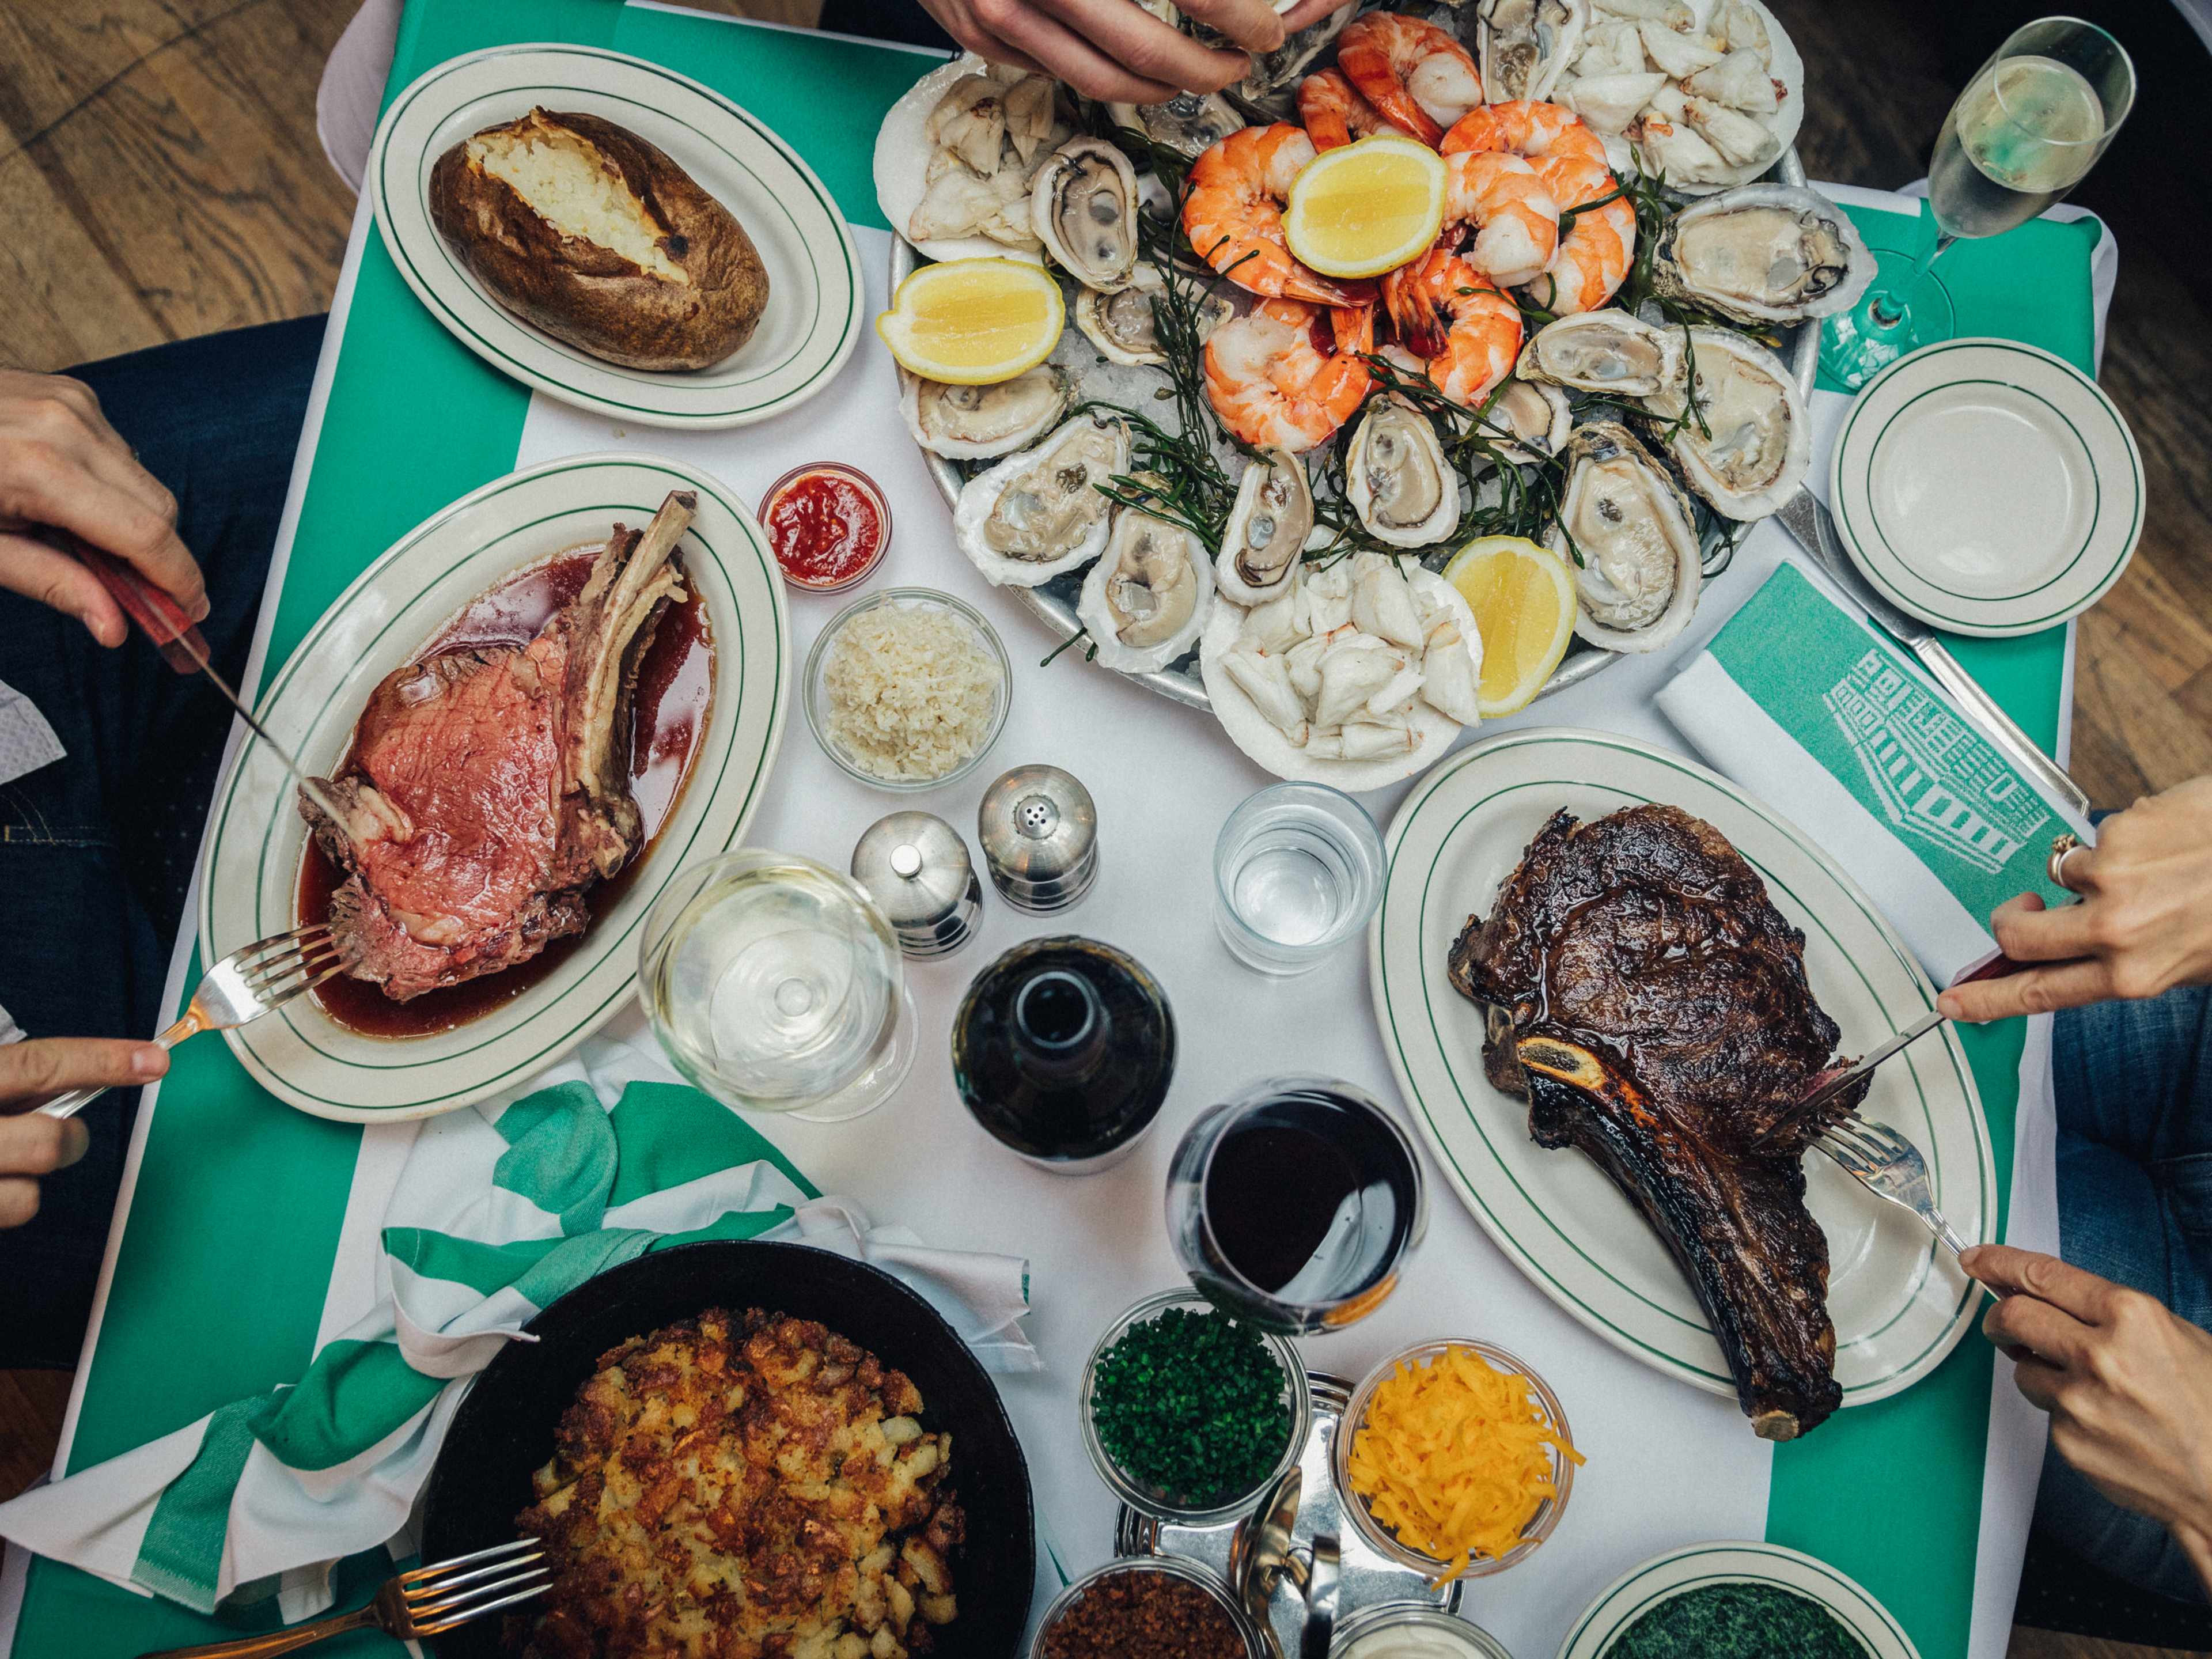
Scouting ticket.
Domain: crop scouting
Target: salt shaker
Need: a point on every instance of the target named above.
(1039, 831)
(916, 868)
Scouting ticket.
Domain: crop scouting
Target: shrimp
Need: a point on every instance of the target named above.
(1334, 111)
(1448, 312)
(1233, 214)
(1516, 227)
(1420, 77)
(1599, 243)
(1290, 374)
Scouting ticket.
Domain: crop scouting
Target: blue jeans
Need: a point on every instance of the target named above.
(96, 849)
(2133, 1082)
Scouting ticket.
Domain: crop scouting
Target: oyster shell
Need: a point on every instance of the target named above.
(1083, 207)
(1039, 512)
(1268, 523)
(1763, 253)
(1396, 478)
(1538, 417)
(1272, 72)
(1189, 125)
(1750, 454)
(1608, 351)
(1146, 602)
(967, 422)
(1639, 578)
(1121, 323)
(1524, 45)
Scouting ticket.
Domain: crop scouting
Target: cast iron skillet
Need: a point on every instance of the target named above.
(504, 1428)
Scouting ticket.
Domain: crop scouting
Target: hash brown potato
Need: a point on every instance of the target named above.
(581, 227)
(741, 1486)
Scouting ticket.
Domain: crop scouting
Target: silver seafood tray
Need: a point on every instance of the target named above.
(1053, 602)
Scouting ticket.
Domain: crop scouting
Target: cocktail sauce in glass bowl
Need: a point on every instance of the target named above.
(827, 523)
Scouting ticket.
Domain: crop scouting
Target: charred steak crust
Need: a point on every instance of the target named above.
(1650, 1004)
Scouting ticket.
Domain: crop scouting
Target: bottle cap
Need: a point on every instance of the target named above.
(916, 868)
(1039, 830)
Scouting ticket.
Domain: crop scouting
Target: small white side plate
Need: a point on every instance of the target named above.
(815, 300)
(1987, 487)
(1638, 1591)
(250, 876)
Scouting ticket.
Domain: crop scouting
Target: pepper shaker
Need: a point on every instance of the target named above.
(915, 866)
(1039, 830)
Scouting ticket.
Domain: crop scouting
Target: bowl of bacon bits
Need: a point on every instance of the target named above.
(1157, 1608)
(1454, 1459)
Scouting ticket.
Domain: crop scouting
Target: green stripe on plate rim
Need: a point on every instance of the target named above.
(1843, 497)
(849, 326)
(1402, 830)
(1622, 1620)
(769, 574)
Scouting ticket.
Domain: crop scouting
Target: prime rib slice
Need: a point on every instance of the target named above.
(1650, 1004)
(487, 790)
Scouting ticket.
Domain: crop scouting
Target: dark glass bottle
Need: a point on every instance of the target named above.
(1063, 1049)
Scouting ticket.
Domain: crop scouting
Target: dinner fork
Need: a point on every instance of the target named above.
(1890, 1166)
(244, 986)
(421, 1602)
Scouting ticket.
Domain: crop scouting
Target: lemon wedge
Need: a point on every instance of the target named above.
(973, 322)
(1523, 600)
(1365, 208)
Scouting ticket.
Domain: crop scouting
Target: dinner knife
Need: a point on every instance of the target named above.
(181, 644)
(1805, 517)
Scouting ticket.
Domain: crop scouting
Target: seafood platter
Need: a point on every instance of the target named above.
(1440, 307)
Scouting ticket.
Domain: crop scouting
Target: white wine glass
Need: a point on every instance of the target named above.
(2026, 130)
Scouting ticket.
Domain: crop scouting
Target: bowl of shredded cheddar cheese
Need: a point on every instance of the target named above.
(1454, 1459)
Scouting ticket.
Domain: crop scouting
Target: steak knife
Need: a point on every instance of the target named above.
(181, 644)
(1806, 518)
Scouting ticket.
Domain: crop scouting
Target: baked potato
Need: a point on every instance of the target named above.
(581, 227)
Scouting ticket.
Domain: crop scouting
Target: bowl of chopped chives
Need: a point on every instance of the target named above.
(1190, 1412)
(1453, 1459)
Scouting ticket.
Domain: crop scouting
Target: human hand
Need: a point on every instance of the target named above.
(2127, 1382)
(1114, 50)
(32, 1145)
(62, 465)
(2144, 924)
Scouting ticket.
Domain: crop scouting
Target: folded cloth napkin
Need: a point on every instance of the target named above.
(1806, 704)
(27, 742)
(498, 1212)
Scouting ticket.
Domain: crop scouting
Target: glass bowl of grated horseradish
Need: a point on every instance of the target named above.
(907, 689)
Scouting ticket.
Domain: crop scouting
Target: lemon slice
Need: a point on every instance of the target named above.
(1523, 600)
(1363, 209)
(973, 322)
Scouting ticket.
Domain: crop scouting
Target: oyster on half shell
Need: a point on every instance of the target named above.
(967, 422)
(1146, 602)
(1268, 523)
(1763, 253)
(1039, 512)
(1188, 124)
(1639, 577)
(1524, 45)
(1396, 478)
(1527, 420)
(1121, 323)
(1083, 207)
(1608, 351)
(1747, 451)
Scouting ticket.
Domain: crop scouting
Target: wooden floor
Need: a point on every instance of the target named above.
(160, 178)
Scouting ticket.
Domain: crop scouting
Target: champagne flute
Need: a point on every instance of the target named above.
(2028, 127)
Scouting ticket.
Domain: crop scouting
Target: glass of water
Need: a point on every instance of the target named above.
(1298, 870)
(776, 984)
(2028, 127)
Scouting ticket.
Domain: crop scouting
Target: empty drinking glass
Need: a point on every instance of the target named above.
(776, 985)
(1298, 870)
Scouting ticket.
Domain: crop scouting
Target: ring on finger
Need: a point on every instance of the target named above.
(2062, 848)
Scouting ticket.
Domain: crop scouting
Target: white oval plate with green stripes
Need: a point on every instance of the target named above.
(1987, 487)
(1677, 1573)
(815, 300)
(1899, 1303)
(250, 875)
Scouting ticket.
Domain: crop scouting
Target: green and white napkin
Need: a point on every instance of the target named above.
(1807, 705)
(498, 1212)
